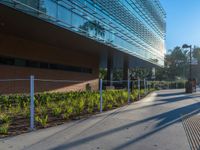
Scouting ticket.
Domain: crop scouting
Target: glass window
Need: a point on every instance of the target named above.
(8, 2)
(36, 64)
(32, 64)
(64, 15)
(7, 61)
(77, 21)
(49, 7)
(20, 62)
(44, 65)
(22, 5)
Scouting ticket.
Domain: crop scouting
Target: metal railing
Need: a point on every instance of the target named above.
(33, 96)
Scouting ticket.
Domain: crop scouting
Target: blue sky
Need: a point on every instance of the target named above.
(183, 22)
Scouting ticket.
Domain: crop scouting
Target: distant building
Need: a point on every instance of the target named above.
(72, 39)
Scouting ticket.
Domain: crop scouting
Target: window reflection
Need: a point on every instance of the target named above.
(93, 28)
(114, 22)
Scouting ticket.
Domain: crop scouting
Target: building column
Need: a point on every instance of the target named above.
(125, 68)
(153, 73)
(109, 69)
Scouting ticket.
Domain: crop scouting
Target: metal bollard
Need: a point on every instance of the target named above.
(147, 86)
(101, 97)
(32, 107)
(128, 91)
(138, 88)
(145, 90)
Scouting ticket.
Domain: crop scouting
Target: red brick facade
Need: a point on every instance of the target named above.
(27, 49)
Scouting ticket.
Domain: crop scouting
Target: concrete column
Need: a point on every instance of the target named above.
(109, 69)
(126, 68)
(153, 73)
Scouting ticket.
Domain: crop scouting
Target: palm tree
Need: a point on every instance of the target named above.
(93, 26)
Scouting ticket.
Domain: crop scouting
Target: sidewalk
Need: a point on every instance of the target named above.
(153, 123)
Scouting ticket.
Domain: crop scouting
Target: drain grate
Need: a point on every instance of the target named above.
(191, 125)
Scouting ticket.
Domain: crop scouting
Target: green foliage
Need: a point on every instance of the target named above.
(102, 73)
(78, 105)
(95, 26)
(60, 105)
(25, 109)
(117, 74)
(42, 120)
(14, 109)
(4, 118)
(196, 54)
(4, 123)
(176, 65)
(141, 72)
(135, 93)
(9, 100)
(68, 111)
(142, 92)
(115, 98)
(42, 110)
(4, 128)
(167, 84)
(56, 111)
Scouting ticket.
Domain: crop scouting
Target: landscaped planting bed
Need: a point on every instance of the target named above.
(56, 108)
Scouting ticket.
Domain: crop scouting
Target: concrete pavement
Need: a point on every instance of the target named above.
(153, 123)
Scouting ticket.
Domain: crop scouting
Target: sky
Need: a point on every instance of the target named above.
(183, 22)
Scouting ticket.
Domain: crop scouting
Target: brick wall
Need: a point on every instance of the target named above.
(26, 49)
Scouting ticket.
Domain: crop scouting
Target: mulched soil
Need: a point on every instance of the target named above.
(21, 124)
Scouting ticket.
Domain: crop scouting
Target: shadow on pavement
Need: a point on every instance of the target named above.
(163, 102)
(164, 120)
(171, 94)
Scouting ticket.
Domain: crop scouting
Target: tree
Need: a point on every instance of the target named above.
(102, 73)
(176, 65)
(93, 26)
(141, 72)
(196, 54)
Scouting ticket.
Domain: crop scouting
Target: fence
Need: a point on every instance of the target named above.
(27, 104)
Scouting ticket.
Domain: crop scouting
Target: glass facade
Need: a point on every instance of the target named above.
(12, 61)
(136, 27)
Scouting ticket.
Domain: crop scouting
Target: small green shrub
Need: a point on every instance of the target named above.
(142, 92)
(56, 110)
(65, 115)
(109, 106)
(42, 120)
(14, 110)
(78, 104)
(61, 105)
(67, 112)
(25, 109)
(4, 128)
(81, 104)
(4, 118)
(89, 105)
(41, 110)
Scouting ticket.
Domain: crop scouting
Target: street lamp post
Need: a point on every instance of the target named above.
(189, 87)
(190, 68)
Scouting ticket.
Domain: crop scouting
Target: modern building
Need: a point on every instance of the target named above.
(72, 39)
